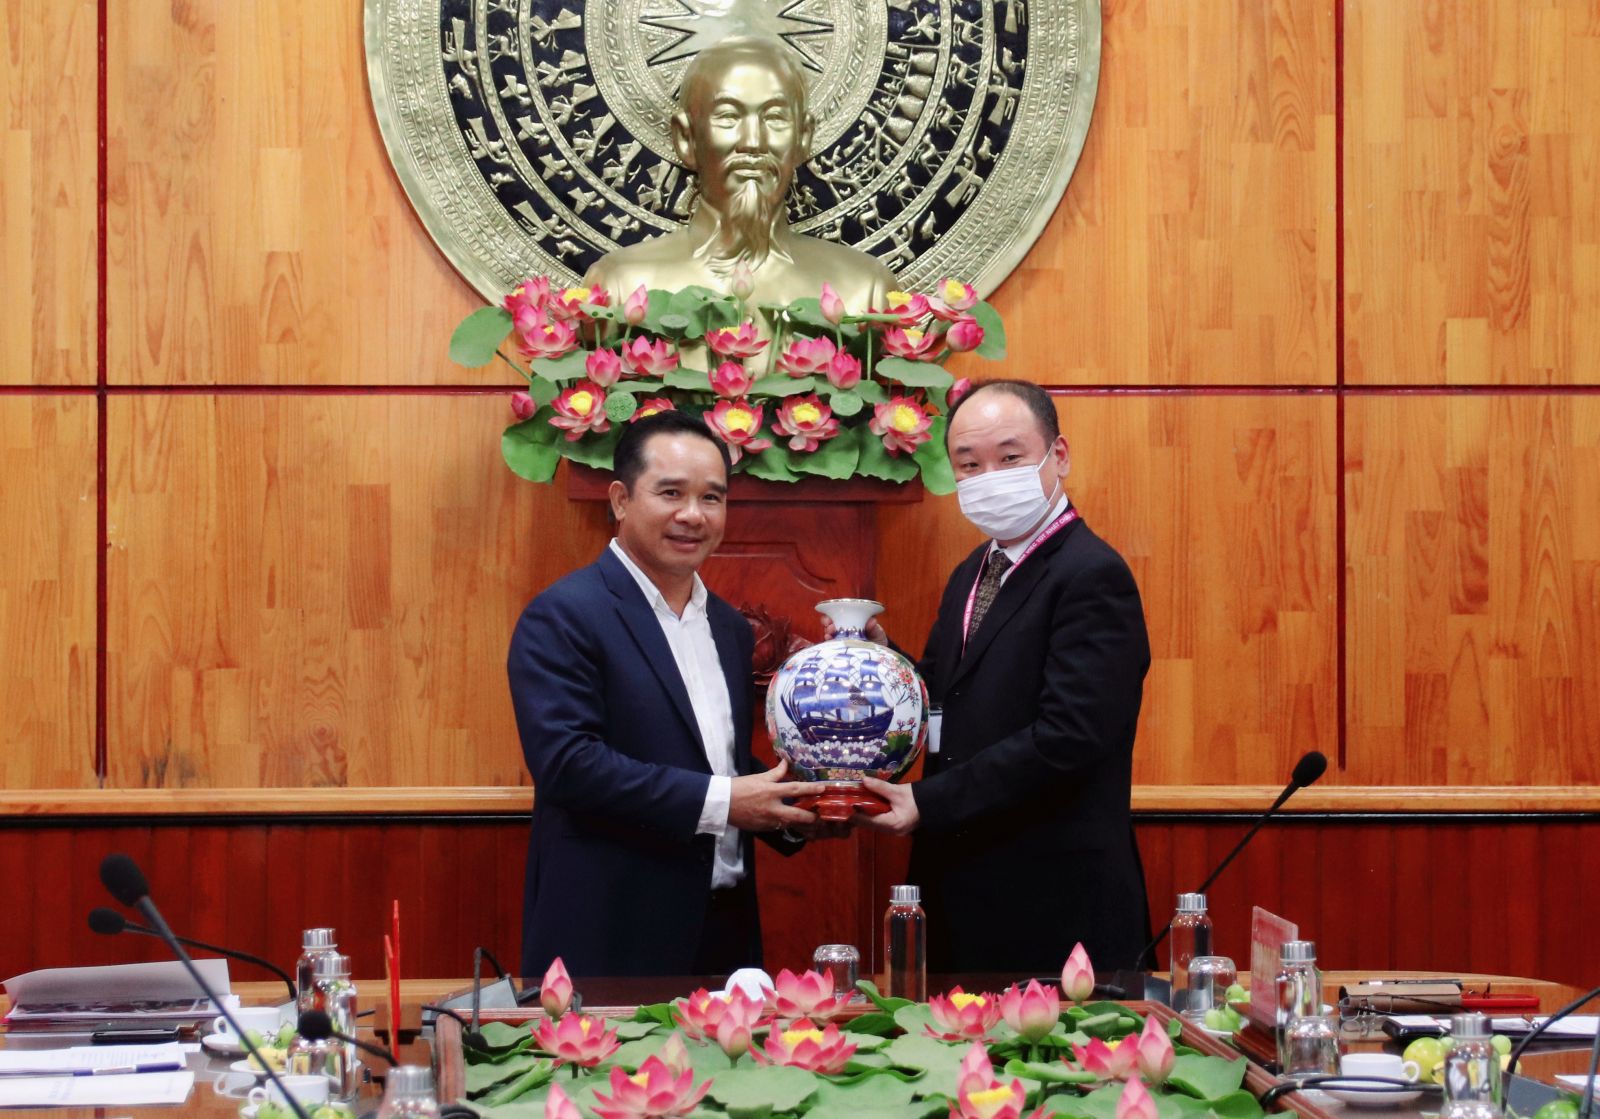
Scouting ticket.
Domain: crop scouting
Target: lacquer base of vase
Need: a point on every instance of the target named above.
(838, 803)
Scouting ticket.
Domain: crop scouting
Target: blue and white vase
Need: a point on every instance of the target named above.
(847, 707)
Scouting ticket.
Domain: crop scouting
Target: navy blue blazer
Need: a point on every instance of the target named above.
(1025, 809)
(617, 879)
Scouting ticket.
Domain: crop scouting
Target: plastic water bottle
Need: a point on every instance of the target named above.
(1299, 986)
(313, 943)
(905, 944)
(1190, 937)
(409, 1094)
(1472, 1082)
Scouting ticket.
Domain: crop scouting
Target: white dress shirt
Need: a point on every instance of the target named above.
(1015, 552)
(695, 652)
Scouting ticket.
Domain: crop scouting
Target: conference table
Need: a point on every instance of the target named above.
(621, 995)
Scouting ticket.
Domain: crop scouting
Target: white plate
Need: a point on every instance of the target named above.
(224, 1045)
(1215, 1033)
(247, 1068)
(1371, 1097)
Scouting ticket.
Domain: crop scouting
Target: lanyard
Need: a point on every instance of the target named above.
(1050, 530)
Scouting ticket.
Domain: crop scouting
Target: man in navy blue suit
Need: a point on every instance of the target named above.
(633, 694)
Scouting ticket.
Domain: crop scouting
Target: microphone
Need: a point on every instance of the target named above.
(470, 1037)
(315, 1025)
(1307, 771)
(108, 922)
(126, 882)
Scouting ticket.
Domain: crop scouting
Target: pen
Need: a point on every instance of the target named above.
(108, 1070)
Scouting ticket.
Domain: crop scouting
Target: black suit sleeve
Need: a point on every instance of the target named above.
(1094, 670)
(557, 669)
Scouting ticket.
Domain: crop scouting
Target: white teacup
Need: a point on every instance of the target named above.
(262, 1019)
(304, 1089)
(1388, 1065)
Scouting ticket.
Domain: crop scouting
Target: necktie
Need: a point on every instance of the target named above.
(988, 587)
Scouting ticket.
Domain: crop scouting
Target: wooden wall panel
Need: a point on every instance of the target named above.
(1197, 243)
(1223, 505)
(320, 590)
(47, 591)
(48, 195)
(1473, 243)
(1474, 568)
(1366, 891)
(258, 234)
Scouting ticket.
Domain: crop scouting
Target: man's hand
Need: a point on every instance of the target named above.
(902, 817)
(757, 802)
(875, 631)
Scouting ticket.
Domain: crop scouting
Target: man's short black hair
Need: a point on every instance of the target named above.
(628, 460)
(1037, 400)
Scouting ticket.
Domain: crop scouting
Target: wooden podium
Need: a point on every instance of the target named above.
(787, 547)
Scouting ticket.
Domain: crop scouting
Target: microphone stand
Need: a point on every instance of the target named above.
(148, 908)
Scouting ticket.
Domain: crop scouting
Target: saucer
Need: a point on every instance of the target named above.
(224, 1045)
(1371, 1097)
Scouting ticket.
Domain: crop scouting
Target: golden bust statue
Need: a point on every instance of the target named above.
(742, 127)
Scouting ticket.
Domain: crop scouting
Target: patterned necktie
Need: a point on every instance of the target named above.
(988, 587)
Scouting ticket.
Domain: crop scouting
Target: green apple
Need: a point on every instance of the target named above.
(1217, 1019)
(1564, 1108)
(1428, 1053)
(1235, 993)
(1501, 1043)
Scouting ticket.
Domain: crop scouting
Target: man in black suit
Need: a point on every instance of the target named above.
(633, 693)
(1023, 835)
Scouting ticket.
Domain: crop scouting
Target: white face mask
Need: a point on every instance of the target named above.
(1004, 504)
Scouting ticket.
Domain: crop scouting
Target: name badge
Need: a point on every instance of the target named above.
(935, 725)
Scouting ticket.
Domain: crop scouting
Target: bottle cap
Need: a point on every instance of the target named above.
(1299, 952)
(1469, 1025)
(331, 965)
(318, 939)
(1191, 903)
(409, 1080)
(905, 895)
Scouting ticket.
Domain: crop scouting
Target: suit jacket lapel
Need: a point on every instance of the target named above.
(638, 615)
(738, 688)
(1013, 593)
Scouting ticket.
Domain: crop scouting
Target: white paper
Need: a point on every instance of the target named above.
(1577, 1082)
(1575, 1025)
(118, 991)
(97, 1091)
(83, 1057)
(1417, 1021)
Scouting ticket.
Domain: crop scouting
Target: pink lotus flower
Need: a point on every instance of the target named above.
(1106, 1062)
(675, 1054)
(957, 391)
(731, 379)
(805, 356)
(912, 309)
(913, 345)
(976, 1069)
(544, 338)
(654, 1092)
(555, 990)
(637, 306)
(651, 407)
(808, 995)
(522, 406)
(527, 299)
(740, 341)
(951, 299)
(557, 1105)
(844, 371)
(645, 357)
(808, 423)
(604, 367)
(742, 280)
(738, 1022)
(699, 1014)
(902, 423)
(964, 334)
(1033, 1012)
(576, 1039)
(998, 1101)
(576, 303)
(1153, 1053)
(961, 1016)
(580, 409)
(832, 305)
(805, 1046)
(1077, 974)
(1135, 1102)
(738, 424)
